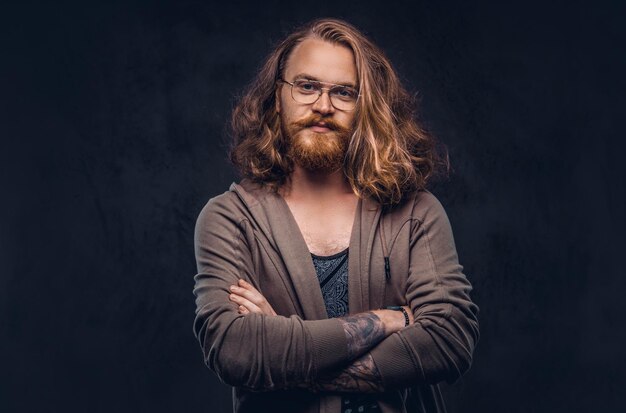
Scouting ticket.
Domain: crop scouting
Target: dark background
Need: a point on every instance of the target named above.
(113, 139)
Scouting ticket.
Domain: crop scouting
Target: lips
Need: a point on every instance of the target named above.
(320, 126)
(320, 129)
(317, 124)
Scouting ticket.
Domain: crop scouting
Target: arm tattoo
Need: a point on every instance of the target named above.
(363, 331)
(361, 376)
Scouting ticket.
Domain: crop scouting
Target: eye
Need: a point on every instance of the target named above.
(306, 86)
(345, 93)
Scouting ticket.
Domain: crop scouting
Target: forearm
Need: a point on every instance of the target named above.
(279, 351)
(363, 331)
(365, 374)
(360, 376)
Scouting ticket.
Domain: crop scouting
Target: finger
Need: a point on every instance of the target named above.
(243, 310)
(247, 291)
(244, 284)
(253, 296)
(242, 301)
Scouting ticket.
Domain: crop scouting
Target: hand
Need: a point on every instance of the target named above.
(393, 320)
(249, 299)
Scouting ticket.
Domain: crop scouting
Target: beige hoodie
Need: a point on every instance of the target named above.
(249, 232)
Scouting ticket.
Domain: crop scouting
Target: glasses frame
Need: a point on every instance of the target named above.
(321, 91)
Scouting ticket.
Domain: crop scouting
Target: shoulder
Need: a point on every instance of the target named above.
(419, 205)
(245, 200)
(425, 205)
(223, 204)
(220, 212)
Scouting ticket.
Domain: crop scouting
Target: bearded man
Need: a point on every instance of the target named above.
(328, 279)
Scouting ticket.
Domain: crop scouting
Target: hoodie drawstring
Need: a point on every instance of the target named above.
(383, 242)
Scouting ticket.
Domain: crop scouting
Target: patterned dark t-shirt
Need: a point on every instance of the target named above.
(332, 273)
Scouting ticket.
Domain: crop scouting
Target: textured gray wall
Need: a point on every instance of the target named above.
(113, 139)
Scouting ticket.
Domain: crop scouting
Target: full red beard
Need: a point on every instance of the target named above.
(315, 151)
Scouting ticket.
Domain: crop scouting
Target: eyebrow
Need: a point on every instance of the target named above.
(310, 77)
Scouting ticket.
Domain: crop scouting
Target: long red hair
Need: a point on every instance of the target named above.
(389, 155)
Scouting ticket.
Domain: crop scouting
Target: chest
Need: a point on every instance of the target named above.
(281, 262)
(326, 230)
(326, 241)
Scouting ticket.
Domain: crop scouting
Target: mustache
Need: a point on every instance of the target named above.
(314, 119)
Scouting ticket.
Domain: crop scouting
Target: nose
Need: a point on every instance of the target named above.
(323, 104)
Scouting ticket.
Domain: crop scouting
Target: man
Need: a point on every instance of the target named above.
(328, 279)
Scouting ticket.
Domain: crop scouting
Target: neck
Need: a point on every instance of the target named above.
(303, 184)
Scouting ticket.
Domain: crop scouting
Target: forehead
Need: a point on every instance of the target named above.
(322, 60)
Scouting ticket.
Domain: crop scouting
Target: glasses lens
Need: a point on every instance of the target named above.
(308, 91)
(305, 91)
(343, 98)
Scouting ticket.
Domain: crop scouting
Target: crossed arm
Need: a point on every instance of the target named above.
(286, 350)
(363, 332)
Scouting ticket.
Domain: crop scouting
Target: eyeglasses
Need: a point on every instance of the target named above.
(308, 92)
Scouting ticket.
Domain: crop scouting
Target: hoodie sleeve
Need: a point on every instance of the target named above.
(439, 345)
(254, 351)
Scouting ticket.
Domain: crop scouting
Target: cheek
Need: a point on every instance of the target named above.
(291, 111)
(348, 120)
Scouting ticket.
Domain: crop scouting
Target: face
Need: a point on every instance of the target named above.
(310, 145)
